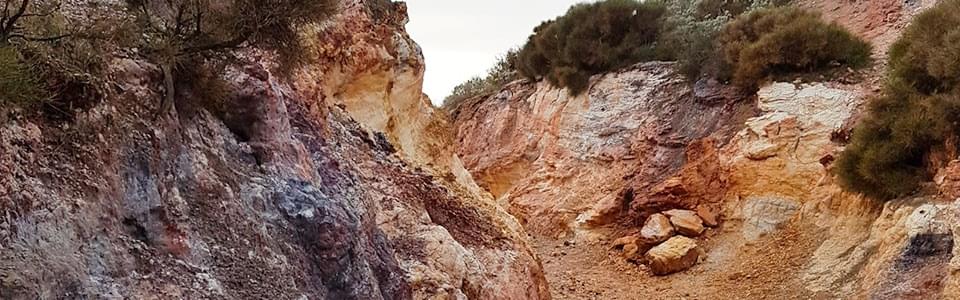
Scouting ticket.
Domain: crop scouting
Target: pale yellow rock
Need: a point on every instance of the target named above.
(376, 77)
(657, 229)
(676, 254)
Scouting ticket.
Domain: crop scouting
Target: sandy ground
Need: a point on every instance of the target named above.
(768, 268)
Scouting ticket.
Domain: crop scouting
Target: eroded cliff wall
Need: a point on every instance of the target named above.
(300, 192)
(643, 140)
(562, 163)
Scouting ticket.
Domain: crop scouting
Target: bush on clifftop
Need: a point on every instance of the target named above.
(503, 72)
(890, 151)
(782, 40)
(592, 38)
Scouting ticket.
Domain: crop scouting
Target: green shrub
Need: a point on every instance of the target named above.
(591, 39)
(690, 31)
(19, 81)
(777, 41)
(709, 9)
(502, 73)
(889, 153)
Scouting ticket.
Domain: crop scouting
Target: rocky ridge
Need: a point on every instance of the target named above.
(296, 194)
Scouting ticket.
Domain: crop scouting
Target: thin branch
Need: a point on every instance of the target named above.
(148, 17)
(20, 11)
(42, 39)
(178, 21)
(46, 14)
(6, 12)
(50, 12)
(233, 43)
(199, 20)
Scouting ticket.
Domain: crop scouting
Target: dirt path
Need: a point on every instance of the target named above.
(766, 269)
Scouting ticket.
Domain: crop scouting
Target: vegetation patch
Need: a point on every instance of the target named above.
(916, 117)
(784, 40)
(568, 50)
(592, 38)
(19, 81)
(503, 72)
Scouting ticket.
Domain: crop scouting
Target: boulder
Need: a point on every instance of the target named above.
(708, 216)
(686, 222)
(657, 229)
(676, 254)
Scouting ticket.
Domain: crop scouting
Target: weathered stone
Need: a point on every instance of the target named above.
(948, 180)
(676, 254)
(708, 215)
(657, 229)
(766, 215)
(622, 242)
(686, 222)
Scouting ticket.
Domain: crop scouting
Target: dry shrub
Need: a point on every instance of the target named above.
(592, 38)
(890, 151)
(783, 40)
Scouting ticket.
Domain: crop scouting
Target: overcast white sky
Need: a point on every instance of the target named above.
(462, 38)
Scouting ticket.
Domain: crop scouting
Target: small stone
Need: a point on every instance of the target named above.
(686, 222)
(622, 242)
(657, 229)
(676, 254)
(630, 251)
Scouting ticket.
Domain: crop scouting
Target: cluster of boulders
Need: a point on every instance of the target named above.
(666, 240)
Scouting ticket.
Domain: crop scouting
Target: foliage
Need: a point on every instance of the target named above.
(781, 40)
(709, 9)
(16, 13)
(691, 30)
(379, 9)
(175, 32)
(503, 72)
(568, 50)
(19, 83)
(916, 116)
(592, 38)
(63, 54)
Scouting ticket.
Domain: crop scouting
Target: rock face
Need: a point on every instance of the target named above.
(564, 163)
(286, 197)
(763, 163)
(675, 255)
(657, 229)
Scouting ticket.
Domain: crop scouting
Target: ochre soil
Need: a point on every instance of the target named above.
(768, 268)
